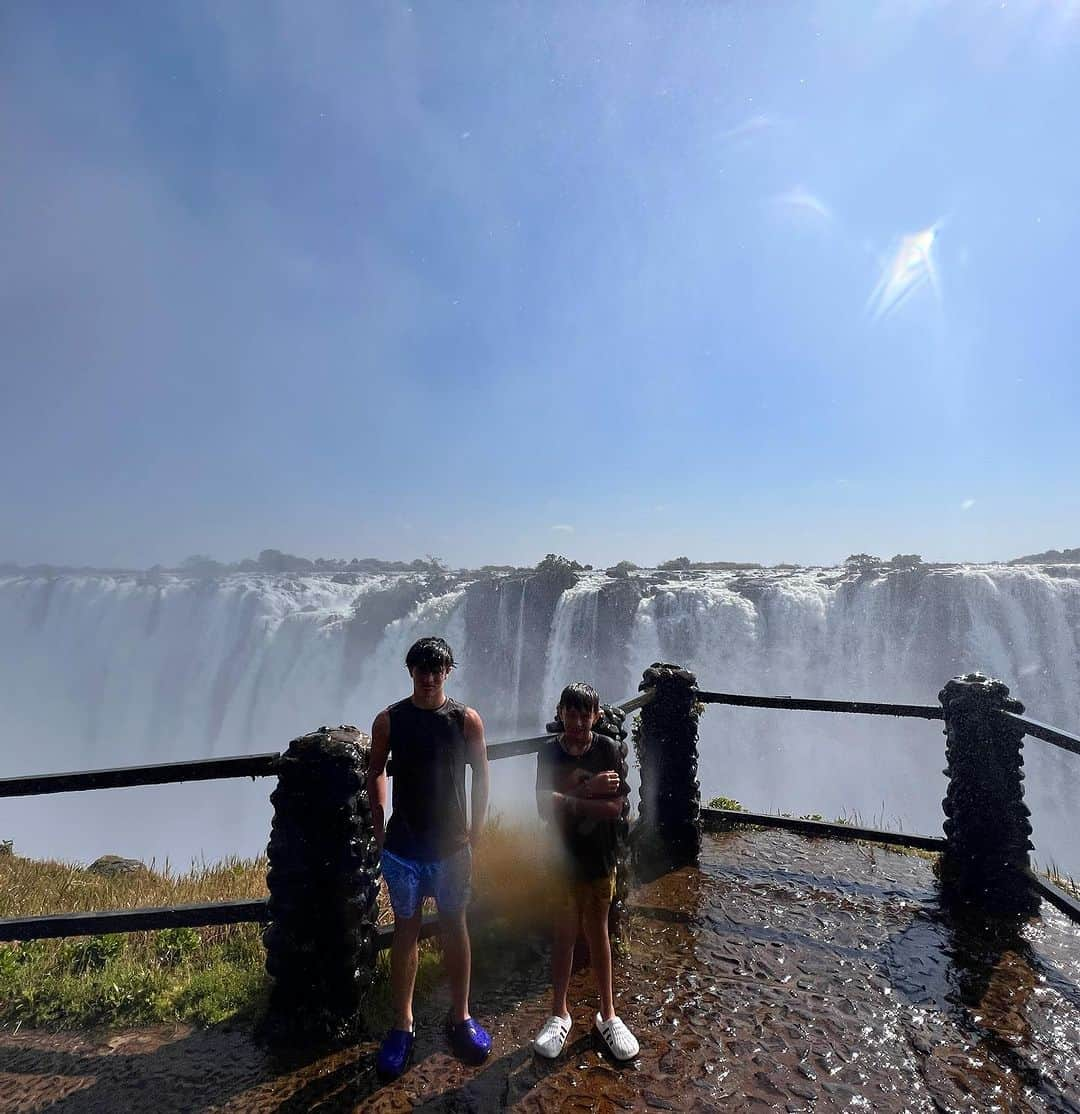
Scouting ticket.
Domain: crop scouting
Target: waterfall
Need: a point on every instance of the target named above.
(99, 670)
(572, 645)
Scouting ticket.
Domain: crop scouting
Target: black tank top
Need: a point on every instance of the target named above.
(427, 749)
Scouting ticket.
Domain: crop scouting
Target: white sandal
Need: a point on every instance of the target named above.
(621, 1043)
(552, 1037)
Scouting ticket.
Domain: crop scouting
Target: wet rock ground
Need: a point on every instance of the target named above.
(784, 974)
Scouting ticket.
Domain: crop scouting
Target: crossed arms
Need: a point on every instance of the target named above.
(599, 797)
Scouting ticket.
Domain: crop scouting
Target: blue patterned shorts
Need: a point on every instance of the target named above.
(409, 881)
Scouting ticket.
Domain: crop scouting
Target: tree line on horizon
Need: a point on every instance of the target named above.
(277, 562)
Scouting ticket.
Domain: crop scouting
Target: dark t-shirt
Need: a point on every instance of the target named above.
(590, 842)
(427, 749)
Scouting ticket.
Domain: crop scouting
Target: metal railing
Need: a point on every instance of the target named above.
(795, 703)
(198, 915)
(165, 773)
(1044, 731)
(714, 819)
(266, 765)
(718, 819)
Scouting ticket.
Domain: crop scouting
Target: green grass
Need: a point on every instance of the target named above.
(110, 980)
(725, 802)
(204, 976)
(198, 975)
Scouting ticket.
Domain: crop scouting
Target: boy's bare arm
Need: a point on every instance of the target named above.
(477, 757)
(545, 802)
(551, 803)
(376, 777)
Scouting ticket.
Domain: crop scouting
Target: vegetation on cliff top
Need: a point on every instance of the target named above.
(276, 562)
(1050, 557)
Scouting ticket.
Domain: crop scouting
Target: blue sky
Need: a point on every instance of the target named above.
(489, 281)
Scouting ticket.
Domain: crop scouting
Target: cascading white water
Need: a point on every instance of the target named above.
(383, 678)
(572, 643)
(895, 638)
(510, 635)
(99, 670)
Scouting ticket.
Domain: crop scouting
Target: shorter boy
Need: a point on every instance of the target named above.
(580, 794)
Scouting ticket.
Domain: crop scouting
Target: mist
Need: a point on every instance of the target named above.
(101, 670)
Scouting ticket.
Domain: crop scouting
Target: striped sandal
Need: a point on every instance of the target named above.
(552, 1037)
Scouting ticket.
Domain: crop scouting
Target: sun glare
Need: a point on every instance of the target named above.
(911, 268)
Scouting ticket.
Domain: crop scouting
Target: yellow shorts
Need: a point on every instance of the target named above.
(592, 892)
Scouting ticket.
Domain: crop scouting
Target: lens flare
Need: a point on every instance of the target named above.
(801, 202)
(911, 268)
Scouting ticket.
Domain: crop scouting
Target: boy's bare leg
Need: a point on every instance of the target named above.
(457, 955)
(594, 918)
(403, 961)
(562, 956)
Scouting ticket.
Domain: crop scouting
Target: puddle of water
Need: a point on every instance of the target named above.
(784, 973)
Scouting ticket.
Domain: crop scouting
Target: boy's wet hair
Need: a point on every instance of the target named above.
(580, 697)
(430, 653)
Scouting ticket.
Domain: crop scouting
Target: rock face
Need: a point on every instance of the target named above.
(374, 612)
(508, 622)
(112, 866)
(616, 606)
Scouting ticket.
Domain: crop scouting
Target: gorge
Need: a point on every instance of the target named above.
(104, 669)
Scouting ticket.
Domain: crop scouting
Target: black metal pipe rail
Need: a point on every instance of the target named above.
(201, 769)
(637, 702)
(513, 748)
(719, 819)
(255, 911)
(198, 915)
(211, 769)
(101, 922)
(1044, 731)
(795, 703)
(1059, 898)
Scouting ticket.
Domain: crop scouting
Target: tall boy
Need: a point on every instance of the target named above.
(427, 849)
(579, 793)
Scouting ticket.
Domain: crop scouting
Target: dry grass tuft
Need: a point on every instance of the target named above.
(32, 888)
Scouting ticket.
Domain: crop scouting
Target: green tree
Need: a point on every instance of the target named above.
(676, 564)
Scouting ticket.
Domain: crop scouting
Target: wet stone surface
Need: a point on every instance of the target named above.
(785, 974)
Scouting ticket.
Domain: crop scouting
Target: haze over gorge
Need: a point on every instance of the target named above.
(121, 668)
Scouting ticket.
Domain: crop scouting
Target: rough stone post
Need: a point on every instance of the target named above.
(611, 725)
(323, 878)
(669, 828)
(985, 866)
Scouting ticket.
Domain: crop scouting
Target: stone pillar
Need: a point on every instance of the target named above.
(985, 866)
(665, 738)
(323, 878)
(611, 725)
